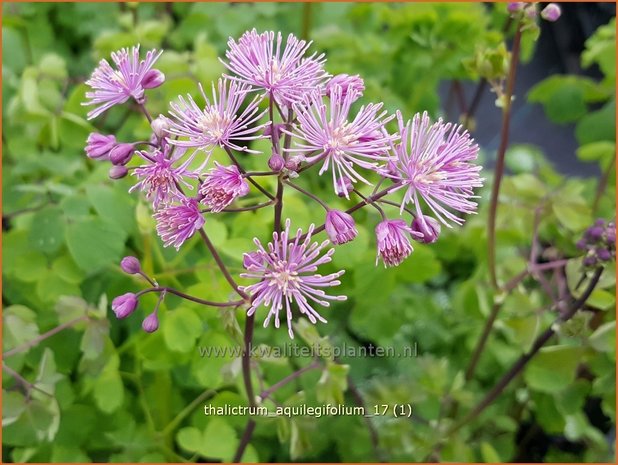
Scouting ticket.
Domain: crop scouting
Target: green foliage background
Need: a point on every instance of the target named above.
(121, 395)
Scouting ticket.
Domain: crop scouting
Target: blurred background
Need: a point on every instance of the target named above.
(98, 389)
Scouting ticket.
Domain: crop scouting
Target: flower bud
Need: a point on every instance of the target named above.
(98, 145)
(124, 305)
(531, 10)
(340, 227)
(276, 162)
(428, 228)
(514, 7)
(294, 163)
(590, 260)
(343, 187)
(160, 126)
(604, 255)
(153, 78)
(551, 12)
(252, 259)
(118, 172)
(151, 323)
(121, 154)
(130, 265)
(594, 233)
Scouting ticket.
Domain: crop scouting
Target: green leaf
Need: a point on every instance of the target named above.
(95, 243)
(489, 454)
(48, 233)
(604, 337)
(553, 368)
(109, 391)
(19, 326)
(601, 299)
(113, 206)
(332, 384)
(597, 151)
(219, 440)
(181, 328)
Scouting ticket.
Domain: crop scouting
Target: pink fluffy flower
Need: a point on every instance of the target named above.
(222, 185)
(285, 271)
(159, 179)
(282, 71)
(130, 79)
(393, 241)
(435, 162)
(177, 223)
(219, 123)
(343, 145)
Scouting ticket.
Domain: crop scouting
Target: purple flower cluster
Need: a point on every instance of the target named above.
(275, 89)
(599, 243)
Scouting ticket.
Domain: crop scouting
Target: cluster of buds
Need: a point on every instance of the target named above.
(529, 10)
(598, 243)
(125, 304)
(311, 121)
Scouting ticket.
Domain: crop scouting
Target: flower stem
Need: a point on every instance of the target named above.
(246, 375)
(266, 393)
(520, 364)
(197, 300)
(308, 194)
(42, 337)
(221, 265)
(499, 169)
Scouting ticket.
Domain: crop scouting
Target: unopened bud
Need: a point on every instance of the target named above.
(160, 126)
(121, 154)
(130, 265)
(153, 78)
(276, 162)
(551, 12)
(428, 228)
(151, 323)
(118, 172)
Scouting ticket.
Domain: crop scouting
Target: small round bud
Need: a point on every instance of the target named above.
(130, 265)
(151, 323)
(428, 229)
(514, 7)
(590, 260)
(604, 255)
(153, 78)
(581, 244)
(294, 163)
(276, 162)
(160, 126)
(121, 154)
(594, 233)
(531, 10)
(124, 305)
(118, 172)
(551, 12)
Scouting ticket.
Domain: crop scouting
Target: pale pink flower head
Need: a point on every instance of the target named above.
(129, 80)
(282, 71)
(177, 223)
(285, 271)
(221, 186)
(393, 241)
(326, 132)
(163, 174)
(340, 227)
(435, 163)
(220, 122)
(347, 83)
